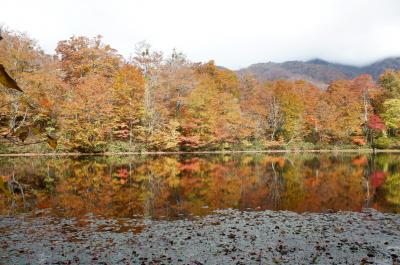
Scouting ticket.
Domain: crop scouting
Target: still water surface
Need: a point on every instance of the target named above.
(174, 187)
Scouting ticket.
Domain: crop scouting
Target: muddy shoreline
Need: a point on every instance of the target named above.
(225, 237)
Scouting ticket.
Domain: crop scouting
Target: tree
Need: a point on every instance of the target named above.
(89, 68)
(311, 97)
(81, 56)
(292, 108)
(212, 116)
(160, 132)
(391, 114)
(86, 117)
(33, 113)
(366, 90)
(176, 81)
(347, 110)
(390, 82)
(127, 104)
(255, 107)
(375, 125)
(91, 98)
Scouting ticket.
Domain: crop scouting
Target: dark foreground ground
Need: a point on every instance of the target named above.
(226, 237)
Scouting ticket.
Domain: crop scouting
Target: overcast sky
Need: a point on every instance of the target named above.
(233, 33)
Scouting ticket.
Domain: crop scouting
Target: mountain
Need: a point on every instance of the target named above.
(317, 71)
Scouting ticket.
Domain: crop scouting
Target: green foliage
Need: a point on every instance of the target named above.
(392, 188)
(391, 114)
(382, 143)
(122, 146)
(301, 145)
(390, 82)
(88, 140)
(293, 109)
(385, 142)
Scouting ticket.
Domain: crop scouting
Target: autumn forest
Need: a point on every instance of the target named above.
(88, 98)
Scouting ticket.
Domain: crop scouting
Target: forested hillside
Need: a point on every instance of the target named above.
(317, 71)
(88, 98)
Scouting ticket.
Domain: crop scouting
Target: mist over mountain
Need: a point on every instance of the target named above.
(318, 71)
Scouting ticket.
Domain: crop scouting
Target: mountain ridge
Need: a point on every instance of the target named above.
(318, 71)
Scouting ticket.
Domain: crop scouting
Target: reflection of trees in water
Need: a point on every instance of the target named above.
(153, 187)
(170, 185)
(386, 184)
(12, 189)
(274, 195)
(368, 169)
(392, 189)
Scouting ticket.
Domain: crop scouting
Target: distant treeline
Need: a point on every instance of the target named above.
(88, 98)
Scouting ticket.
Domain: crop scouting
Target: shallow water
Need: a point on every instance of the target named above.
(184, 186)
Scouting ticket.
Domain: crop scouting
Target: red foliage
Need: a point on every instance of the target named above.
(191, 165)
(375, 123)
(123, 173)
(359, 140)
(377, 178)
(359, 161)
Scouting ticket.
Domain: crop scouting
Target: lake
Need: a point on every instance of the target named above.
(181, 186)
(330, 208)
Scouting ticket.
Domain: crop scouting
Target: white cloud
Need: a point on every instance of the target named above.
(234, 33)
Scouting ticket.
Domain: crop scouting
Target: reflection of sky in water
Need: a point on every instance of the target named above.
(182, 186)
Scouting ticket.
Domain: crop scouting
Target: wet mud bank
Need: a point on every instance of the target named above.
(225, 237)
